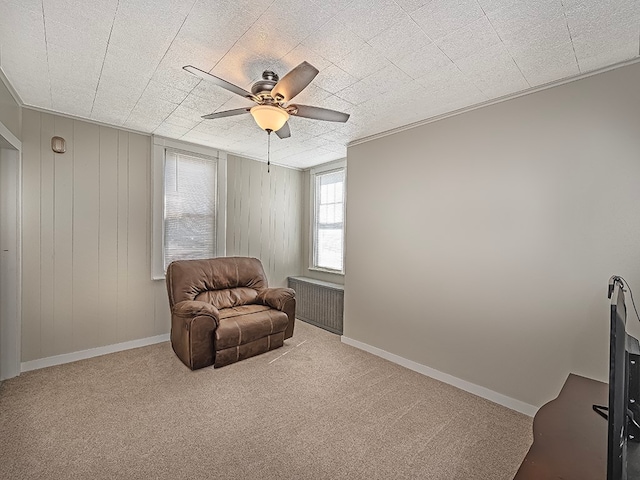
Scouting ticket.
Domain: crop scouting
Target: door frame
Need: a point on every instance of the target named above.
(11, 263)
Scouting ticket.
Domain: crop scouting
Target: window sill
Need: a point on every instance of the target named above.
(326, 270)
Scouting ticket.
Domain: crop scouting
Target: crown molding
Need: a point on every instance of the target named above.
(147, 134)
(332, 164)
(83, 119)
(494, 101)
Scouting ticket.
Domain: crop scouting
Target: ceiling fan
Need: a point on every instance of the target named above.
(272, 95)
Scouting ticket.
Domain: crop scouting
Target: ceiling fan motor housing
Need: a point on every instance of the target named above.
(264, 86)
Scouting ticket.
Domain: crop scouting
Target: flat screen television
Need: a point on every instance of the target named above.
(623, 434)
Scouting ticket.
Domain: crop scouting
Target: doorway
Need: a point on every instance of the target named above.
(10, 255)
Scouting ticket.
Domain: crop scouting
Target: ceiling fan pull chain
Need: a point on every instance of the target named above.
(268, 151)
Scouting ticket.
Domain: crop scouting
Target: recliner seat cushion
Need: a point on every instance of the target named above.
(242, 310)
(245, 324)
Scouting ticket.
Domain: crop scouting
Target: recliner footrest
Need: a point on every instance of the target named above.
(240, 352)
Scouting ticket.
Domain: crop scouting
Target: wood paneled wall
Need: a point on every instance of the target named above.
(87, 234)
(86, 239)
(264, 216)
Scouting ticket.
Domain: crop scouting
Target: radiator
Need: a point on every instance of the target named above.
(319, 303)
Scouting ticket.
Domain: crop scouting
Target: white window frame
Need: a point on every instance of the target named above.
(323, 169)
(159, 146)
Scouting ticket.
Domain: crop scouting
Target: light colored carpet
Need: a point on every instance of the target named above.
(314, 409)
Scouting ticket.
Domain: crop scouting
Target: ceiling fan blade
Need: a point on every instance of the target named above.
(294, 82)
(218, 81)
(284, 132)
(317, 113)
(227, 113)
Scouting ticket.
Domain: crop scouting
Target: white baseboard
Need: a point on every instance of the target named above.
(483, 392)
(92, 352)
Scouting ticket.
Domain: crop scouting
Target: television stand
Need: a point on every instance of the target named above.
(569, 439)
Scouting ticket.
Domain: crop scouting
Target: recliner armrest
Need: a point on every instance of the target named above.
(276, 297)
(194, 308)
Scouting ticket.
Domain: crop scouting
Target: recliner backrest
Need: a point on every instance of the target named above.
(229, 297)
(224, 282)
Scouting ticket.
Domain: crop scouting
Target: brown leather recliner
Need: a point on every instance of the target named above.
(222, 311)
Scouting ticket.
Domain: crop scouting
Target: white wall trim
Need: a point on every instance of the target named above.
(327, 167)
(12, 91)
(9, 138)
(221, 231)
(483, 392)
(185, 146)
(11, 268)
(492, 102)
(334, 165)
(90, 353)
(157, 211)
(158, 152)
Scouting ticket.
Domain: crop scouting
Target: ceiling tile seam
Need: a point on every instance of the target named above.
(421, 29)
(391, 61)
(236, 42)
(182, 136)
(159, 62)
(46, 48)
(445, 54)
(403, 9)
(310, 32)
(115, 14)
(566, 20)
(192, 128)
(337, 59)
(503, 44)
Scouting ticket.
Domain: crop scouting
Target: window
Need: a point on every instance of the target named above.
(328, 218)
(189, 203)
(189, 207)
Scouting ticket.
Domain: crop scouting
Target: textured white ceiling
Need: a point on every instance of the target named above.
(387, 63)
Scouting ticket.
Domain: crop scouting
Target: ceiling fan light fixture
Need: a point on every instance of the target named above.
(269, 117)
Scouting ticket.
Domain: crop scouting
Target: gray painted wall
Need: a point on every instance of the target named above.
(87, 234)
(481, 245)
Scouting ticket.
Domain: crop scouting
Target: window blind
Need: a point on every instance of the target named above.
(189, 207)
